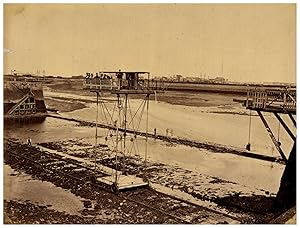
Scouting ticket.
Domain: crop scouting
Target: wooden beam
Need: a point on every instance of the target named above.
(275, 109)
(293, 120)
(272, 137)
(285, 126)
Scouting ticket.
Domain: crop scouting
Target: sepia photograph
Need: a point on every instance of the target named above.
(161, 113)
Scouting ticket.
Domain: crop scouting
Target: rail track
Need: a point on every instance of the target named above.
(158, 205)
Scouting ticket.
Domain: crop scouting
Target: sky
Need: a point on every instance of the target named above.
(241, 42)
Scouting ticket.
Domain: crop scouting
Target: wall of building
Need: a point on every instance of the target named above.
(14, 93)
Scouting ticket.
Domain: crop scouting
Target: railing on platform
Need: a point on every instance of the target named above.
(100, 84)
(118, 81)
(122, 84)
(283, 100)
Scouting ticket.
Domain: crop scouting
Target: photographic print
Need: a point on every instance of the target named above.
(149, 113)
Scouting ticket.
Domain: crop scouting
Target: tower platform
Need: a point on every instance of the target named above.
(118, 82)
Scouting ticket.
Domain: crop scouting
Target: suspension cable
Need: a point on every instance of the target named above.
(117, 142)
(248, 146)
(136, 111)
(107, 122)
(129, 108)
(96, 136)
(147, 117)
(278, 134)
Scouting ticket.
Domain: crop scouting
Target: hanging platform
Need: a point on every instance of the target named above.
(125, 182)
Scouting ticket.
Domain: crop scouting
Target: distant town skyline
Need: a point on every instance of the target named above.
(240, 42)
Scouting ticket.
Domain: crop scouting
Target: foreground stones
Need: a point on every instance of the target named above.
(107, 207)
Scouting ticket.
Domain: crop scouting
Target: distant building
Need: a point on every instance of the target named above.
(218, 80)
(179, 78)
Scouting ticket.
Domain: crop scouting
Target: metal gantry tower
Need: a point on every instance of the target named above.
(122, 85)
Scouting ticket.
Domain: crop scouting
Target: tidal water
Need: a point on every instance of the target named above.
(198, 123)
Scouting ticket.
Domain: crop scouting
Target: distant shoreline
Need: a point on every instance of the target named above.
(226, 88)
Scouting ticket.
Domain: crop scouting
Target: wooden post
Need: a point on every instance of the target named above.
(292, 119)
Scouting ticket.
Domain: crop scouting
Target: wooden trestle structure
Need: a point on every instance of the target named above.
(279, 102)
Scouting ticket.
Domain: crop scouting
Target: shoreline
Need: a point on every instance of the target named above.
(68, 104)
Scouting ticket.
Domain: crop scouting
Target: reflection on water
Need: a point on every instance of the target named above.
(19, 186)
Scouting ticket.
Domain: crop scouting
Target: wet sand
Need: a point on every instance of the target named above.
(19, 186)
(104, 207)
(63, 105)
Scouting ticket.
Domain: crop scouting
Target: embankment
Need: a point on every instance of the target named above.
(239, 89)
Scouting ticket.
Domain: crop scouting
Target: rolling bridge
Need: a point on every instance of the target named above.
(279, 102)
(276, 102)
(122, 84)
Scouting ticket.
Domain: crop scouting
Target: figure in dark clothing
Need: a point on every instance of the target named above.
(248, 146)
(29, 141)
(119, 77)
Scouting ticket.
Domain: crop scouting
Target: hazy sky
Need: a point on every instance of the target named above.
(255, 42)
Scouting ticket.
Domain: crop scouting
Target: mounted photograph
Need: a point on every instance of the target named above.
(149, 113)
